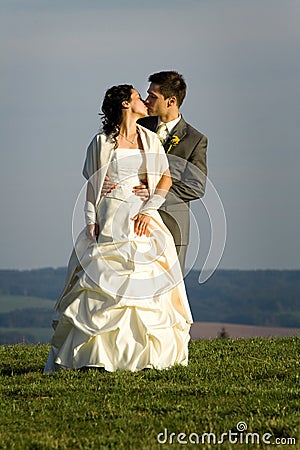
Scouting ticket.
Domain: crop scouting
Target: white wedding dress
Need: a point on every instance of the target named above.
(125, 306)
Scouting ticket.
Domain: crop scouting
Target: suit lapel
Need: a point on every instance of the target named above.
(153, 124)
(180, 130)
(149, 122)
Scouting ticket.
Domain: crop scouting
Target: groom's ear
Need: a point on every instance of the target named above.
(172, 101)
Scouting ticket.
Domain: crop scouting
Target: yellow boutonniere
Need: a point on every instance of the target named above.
(173, 142)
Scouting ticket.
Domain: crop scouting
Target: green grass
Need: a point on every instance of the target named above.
(227, 381)
(12, 302)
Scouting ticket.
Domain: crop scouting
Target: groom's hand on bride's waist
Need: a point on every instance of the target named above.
(108, 186)
(142, 190)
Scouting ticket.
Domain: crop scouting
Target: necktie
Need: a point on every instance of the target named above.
(162, 132)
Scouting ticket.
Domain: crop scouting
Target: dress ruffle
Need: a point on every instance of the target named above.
(120, 337)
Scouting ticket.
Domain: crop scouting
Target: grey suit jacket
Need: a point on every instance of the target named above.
(187, 161)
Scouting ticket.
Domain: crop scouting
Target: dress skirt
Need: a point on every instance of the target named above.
(124, 304)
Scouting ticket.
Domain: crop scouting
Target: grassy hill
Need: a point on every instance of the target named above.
(248, 389)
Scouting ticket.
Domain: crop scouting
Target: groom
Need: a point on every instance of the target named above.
(186, 149)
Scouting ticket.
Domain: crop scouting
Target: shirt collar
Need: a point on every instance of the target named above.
(171, 124)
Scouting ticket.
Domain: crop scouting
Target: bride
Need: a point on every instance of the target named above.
(124, 303)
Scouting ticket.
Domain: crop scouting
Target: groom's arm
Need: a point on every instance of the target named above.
(189, 180)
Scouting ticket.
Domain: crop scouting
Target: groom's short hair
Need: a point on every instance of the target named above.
(170, 83)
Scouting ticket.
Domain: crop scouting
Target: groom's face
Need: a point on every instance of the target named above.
(155, 102)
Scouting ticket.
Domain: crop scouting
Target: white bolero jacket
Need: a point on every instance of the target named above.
(99, 154)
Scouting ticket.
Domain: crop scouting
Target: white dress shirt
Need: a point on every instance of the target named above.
(171, 124)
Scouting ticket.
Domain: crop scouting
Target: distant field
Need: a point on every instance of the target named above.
(27, 335)
(36, 334)
(247, 297)
(211, 330)
(11, 302)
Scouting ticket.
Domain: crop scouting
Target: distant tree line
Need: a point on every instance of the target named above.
(253, 297)
(44, 283)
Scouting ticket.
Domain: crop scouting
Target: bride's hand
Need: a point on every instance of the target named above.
(92, 231)
(141, 222)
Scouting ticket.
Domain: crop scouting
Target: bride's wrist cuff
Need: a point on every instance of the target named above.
(89, 213)
(154, 203)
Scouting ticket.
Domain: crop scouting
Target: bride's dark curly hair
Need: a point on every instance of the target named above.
(112, 108)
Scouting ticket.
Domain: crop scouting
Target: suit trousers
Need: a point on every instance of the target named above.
(181, 252)
(175, 230)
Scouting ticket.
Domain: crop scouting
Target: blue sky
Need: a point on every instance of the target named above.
(241, 63)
